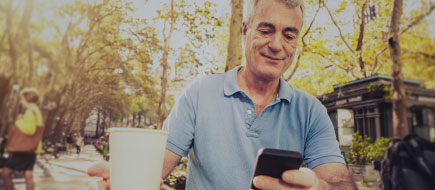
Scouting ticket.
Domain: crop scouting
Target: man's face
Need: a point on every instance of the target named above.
(271, 39)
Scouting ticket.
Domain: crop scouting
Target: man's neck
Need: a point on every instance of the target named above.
(261, 91)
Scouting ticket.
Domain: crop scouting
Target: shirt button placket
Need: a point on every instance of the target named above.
(249, 112)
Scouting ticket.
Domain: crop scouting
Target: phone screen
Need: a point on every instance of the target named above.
(273, 162)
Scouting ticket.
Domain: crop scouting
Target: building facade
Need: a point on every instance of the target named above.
(365, 105)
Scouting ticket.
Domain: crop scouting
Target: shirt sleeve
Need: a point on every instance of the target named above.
(321, 145)
(181, 122)
(27, 123)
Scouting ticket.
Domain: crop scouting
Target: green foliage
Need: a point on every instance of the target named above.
(375, 90)
(328, 61)
(376, 151)
(358, 150)
(177, 179)
(387, 90)
(362, 151)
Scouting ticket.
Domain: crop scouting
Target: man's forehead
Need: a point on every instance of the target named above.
(277, 13)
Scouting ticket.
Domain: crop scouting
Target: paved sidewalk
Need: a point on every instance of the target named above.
(83, 161)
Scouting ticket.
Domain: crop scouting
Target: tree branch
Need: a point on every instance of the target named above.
(338, 27)
(424, 54)
(2, 39)
(346, 69)
(361, 40)
(375, 65)
(408, 27)
(419, 19)
(304, 44)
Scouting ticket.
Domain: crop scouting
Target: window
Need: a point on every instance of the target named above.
(365, 122)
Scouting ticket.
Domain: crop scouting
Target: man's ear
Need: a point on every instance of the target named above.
(244, 29)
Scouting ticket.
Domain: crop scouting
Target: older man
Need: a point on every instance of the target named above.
(222, 120)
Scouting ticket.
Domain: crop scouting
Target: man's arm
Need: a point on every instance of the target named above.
(170, 161)
(336, 175)
(330, 176)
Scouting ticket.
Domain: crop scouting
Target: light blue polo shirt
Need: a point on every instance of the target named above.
(216, 124)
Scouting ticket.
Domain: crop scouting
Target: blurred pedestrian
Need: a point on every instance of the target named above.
(69, 143)
(24, 140)
(78, 143)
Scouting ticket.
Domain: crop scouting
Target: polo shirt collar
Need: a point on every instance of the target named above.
(231, 85)
(285, 90)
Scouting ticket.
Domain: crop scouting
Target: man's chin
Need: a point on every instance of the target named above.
(268, 76)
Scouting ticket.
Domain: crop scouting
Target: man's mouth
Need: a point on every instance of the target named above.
(272, 57)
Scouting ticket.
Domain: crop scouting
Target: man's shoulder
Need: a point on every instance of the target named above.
(208, 81)
(213, 78)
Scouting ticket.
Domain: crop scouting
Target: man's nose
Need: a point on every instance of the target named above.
(275, 43)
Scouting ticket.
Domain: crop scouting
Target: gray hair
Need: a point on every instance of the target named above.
(251, 4)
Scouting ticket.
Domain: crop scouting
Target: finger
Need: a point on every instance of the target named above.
(100, 169)
(108, 184)
(304, 177)
(103, 185)
(270, 183)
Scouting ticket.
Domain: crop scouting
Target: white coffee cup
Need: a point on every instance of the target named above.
(136, 158)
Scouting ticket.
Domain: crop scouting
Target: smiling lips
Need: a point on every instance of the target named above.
(271, 57)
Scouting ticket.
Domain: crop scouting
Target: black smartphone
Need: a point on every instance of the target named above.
(273, 162)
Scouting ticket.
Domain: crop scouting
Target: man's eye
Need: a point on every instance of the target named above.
(289, 37)
(265, 31)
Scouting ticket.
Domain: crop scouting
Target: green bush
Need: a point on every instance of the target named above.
(376, 151)
(362, 151)
(177, 179)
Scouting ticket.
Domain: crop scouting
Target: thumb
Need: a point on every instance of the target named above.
(304, 177)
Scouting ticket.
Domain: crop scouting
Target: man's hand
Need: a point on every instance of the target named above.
(323, 177)
(291, 179)
(102, 169)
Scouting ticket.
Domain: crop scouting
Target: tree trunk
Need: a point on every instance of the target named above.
(234, 50)
(139, 118)
(104, 124)
(49, 122)
(58, 129)
(98, 123)
(4, 88)
(31, 65)
(11, 41)
(83, 125)
(4, 91)
(358, 49)
(400, 122)
(72, 116)
(164, 63)
(133, 121)
(25, 23)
